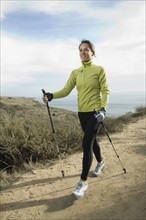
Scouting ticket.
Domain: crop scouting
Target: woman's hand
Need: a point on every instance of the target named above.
(100, 115)
(47, 97)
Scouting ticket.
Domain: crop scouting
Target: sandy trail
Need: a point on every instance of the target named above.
(44, 194)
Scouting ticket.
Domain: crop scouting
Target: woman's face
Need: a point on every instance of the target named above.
(85, 52)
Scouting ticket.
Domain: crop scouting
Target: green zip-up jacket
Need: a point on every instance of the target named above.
(92, 86)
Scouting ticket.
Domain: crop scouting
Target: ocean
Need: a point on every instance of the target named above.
(119, 104)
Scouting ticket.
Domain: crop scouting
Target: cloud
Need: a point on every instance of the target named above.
(29, 62)
(35, 63)
(52, 7)
(46, 19)
(122, 48)
(88, 9)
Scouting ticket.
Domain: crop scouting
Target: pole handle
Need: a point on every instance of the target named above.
(43, 91)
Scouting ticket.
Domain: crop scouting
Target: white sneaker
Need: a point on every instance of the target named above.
(80, 190)
(99, 168)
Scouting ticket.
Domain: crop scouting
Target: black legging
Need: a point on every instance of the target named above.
(90, 128)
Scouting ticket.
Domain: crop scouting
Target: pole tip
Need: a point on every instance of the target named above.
(124, 170)
(62, 173)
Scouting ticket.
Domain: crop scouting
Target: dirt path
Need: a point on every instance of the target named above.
(43, 194)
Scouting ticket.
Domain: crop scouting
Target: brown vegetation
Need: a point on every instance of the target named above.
(26, 134)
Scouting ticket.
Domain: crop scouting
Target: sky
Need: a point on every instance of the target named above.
(39, 43)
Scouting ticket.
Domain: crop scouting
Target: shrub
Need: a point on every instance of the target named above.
(26, 133)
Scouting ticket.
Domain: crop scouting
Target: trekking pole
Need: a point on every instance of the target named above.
(54, 135)
(113, 146)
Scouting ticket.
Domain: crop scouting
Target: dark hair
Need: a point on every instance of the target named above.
(92, 48)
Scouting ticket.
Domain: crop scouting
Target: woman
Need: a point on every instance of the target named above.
(92, 86)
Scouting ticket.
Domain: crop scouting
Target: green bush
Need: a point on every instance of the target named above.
(140, 111)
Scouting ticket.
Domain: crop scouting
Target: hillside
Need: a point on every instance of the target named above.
(26, 133)
(42, 194)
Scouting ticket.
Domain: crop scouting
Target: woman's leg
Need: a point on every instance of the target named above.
(88, 123)
(96, 146)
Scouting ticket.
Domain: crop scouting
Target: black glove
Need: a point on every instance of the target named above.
(100, 115)
(49, 96)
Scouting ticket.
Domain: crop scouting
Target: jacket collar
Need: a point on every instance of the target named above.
(85, 64)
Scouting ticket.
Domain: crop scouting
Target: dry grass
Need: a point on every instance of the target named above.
(26, 134)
